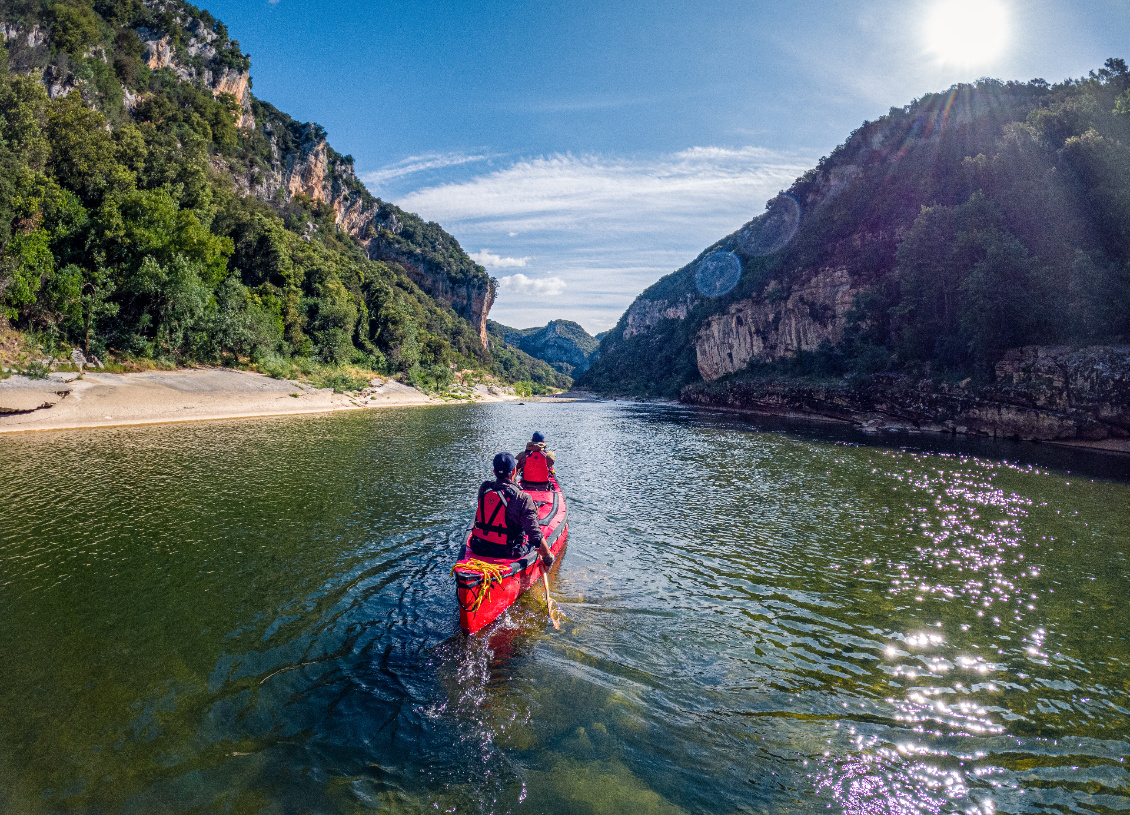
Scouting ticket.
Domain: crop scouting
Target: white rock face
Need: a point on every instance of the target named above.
(643, 315)
(34, 37)
(765, 329)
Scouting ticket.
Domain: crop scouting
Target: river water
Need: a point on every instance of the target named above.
(257, 617)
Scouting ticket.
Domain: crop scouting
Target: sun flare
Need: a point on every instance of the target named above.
(967, 32)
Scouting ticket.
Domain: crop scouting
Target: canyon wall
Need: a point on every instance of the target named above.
(1038, 393)
(777, 324)
(294, 159)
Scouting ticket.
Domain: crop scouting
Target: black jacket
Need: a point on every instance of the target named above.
(521, 517)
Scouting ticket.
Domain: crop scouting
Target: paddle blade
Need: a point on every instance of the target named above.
(550, 604)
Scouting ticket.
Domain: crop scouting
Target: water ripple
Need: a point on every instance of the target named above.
(258, 616)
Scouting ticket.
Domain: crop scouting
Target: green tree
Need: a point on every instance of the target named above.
(74, 26)
(1000, 305)
(83, 154)
(26, 262)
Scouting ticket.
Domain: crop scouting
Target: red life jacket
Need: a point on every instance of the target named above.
(535, 467)
(490, 517)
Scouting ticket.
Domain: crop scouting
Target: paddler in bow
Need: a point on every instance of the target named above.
(506, 519)
(535, 463)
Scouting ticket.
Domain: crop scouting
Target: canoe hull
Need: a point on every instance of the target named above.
(520, 574)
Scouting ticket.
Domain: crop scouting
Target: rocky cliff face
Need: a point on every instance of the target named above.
(776, 324)
(645, 313)
(300, 162)
(202, 57)
(1039, 393)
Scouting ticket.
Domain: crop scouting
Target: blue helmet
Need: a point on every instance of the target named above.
(504, 464)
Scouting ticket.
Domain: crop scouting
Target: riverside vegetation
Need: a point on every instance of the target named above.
(923, 253)
(154, 212)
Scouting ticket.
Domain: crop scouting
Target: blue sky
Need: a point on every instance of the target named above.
(582, 150)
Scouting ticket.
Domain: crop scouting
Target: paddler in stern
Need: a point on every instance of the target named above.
(506, 519)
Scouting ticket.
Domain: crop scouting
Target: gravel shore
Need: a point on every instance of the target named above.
(64, 401)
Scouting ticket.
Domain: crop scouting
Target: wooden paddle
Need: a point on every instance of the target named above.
(550, 603)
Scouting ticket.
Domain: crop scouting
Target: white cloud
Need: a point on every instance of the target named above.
(492, 261)
(562, 191)
(536, 287)
(418, 164)
(603, 227)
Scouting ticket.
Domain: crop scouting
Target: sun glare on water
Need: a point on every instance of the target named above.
(967, 32)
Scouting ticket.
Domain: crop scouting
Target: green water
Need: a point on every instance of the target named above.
(257, 617)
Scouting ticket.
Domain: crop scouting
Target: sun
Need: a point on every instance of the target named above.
(967, 32)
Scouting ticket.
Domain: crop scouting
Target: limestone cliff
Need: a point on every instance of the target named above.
(1038, 393)
(197, 52)
(295, 160)
(776, 325)
(644, 313)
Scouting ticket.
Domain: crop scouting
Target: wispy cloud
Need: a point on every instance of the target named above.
(537, 287)
(492, 261)
(560, 191)
(604, 227)
(418, 164)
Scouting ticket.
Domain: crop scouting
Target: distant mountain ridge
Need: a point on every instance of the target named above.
(564, 344)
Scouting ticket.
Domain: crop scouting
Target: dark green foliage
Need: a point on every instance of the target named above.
(117, 235)
(83, 154)
(514, 365)
(656, 363)
(989, 216)
(968, 289)
(74, 26)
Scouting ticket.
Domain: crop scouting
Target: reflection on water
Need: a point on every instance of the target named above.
(257, 616)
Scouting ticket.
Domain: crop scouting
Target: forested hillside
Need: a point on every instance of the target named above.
(564, 344)
(984, 218)
(152, 208)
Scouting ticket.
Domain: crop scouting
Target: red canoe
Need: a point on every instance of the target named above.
(487, 586)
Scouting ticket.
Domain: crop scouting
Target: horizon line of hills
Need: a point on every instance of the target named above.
(151, 206)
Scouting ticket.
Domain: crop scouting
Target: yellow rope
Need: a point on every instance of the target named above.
(492, 573)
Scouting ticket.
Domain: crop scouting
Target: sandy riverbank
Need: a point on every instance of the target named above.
(64, 401)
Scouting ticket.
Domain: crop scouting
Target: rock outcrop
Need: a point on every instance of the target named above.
(1039, 393)
(207, 64)
(645, 314)
(776, 324)
(33, 37)
(303, 164)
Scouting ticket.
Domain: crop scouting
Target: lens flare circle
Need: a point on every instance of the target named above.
(718, 273)
(967, 32)
(771, 232)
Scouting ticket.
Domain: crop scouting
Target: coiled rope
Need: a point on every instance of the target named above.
(492, 573)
